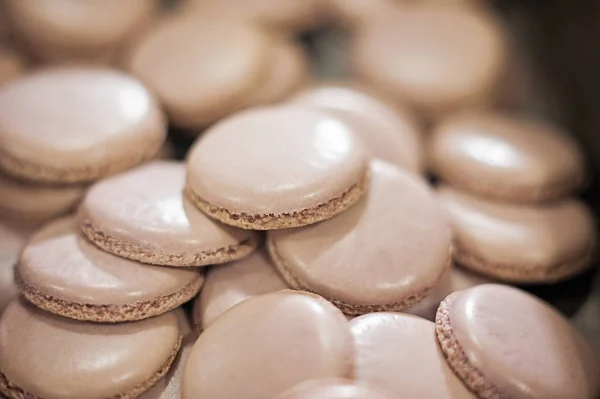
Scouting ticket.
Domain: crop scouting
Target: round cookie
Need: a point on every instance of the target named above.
(437, 57)
(385, 253)
(389, 133)
(276, 167)
(541, 243)
(12, 65)
(226, 286)
(25, 201)
(454, 279)
(505, 343)
(50, 357)
(61, 272)
(63, 30)
(169, 387)
(506, 158)
(290, 71)
(332, 389)
(90, 122)
(286, 15)
(13, 238)
(142, 215)
(296, 336)
(400, 353)
(199, 81)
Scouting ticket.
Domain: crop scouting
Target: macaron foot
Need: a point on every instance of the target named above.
(348, 309)
(14, 392)
(138, 253)
(284, 220)
(31, 171)
(542, 274)
(456, 357)
(109, 313)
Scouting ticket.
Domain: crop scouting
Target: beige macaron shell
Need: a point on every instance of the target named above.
(281, 14)
(89, 122)
(201, 80)
(523, 243)
(142, 215)
(506, 157)
(22, 200)
(66, 30)
(389, 134)
(296, 336)
(358, 12)
(13, 238)
(250, 164)
(230, 284)
(386, 252)
(454, 279)
(333, 388)
(56, 358)
(435, 56)
(61, 264)
(523, 347)
(290, 71)
(399, 353)
(12, 65)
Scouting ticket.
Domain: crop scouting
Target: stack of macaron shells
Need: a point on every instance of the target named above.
(507, 183)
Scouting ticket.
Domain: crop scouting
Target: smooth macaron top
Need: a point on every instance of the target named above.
(198, 78)
(65, 30)
(333, 388)
(275, 160)
(293, 336)
(146, 207)
(527, 237)
(227, 285)
(388, 133)
(22, 200)
(506, 157)
(435, 56)
(62, 264)
(524, 348)
(57, 358)
(399, 353)
(393, 244)
(81, 118)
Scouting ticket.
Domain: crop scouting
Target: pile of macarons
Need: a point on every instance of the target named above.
(345, 239)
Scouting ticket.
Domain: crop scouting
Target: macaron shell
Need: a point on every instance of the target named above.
(13, 238)
(60, 30)
(509, 158)
(435, 56)
(454, 279)
(142, 215)
(297, 337)
(332, 389)
(22, 200)
(358, 12)
(227, 285)
(89, 123)
(198, 81)
(389, 133)
(37, 352)
(399, 353)
(290, 72)
(504, 342)
(385, 253)
(12, 65)
(249, 172)
(63, 273)
(520, 243)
